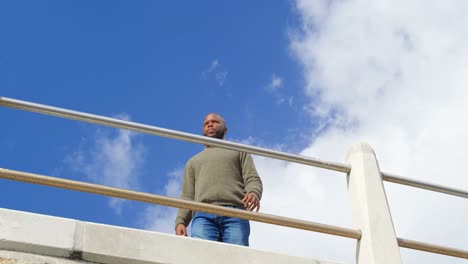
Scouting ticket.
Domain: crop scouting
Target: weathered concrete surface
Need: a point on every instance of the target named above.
(73, 241)
(12, 257)
(33, 233)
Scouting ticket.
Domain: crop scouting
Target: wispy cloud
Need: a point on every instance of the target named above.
(221, 77)
(174, 184)
(216, 72)
(213, 66)
(276, 83)
(275, 88)
(258, 142)
(160, 218)
(111, 158)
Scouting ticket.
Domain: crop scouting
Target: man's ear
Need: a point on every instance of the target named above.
(225, 131)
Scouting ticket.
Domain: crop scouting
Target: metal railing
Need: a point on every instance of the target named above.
(424, 185)
(173, 202)
(163, 132)
(259, 217)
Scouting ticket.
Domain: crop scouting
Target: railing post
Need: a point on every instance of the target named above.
(369, 209)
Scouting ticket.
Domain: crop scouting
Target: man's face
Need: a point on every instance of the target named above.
(214, 126)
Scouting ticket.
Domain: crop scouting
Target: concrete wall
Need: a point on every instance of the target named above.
(32, 238)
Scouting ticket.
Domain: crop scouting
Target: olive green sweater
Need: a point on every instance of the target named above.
(218, 176)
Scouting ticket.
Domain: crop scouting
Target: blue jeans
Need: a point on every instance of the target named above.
(221, 228)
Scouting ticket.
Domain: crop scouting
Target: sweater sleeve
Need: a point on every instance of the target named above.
(184, 216)
(252, 182)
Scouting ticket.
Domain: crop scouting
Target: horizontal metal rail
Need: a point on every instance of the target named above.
(195, 206)
(112, 122)
(412, 244)
(173, 202)
(424, 185)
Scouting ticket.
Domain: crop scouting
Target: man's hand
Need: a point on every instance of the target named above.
(181, 230)
(251, 202)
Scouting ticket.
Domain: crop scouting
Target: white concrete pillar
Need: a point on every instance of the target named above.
(369, 209)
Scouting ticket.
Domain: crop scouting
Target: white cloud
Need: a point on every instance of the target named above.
(221, 77)
(393, 74)
(291, 101)
(110, 158)
(216, 72)
(274, 87)
(214, 65)
(258, 142)
(301, 192)
(161, 218)
(276, 83)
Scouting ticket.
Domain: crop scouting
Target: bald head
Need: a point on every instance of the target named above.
(215, 115)
(214, 125)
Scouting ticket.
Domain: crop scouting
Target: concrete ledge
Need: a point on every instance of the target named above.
(39, 234)
(13, 257)
(83, 241)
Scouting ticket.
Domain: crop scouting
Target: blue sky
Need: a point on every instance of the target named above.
(161, 63)
(306, 77)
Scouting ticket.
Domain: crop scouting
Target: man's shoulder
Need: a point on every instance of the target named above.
(194, 158)
(197, 156)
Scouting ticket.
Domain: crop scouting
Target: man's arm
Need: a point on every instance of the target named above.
(187, 193)
(253, 185)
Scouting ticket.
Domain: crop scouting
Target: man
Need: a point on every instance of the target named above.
(221, 177)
